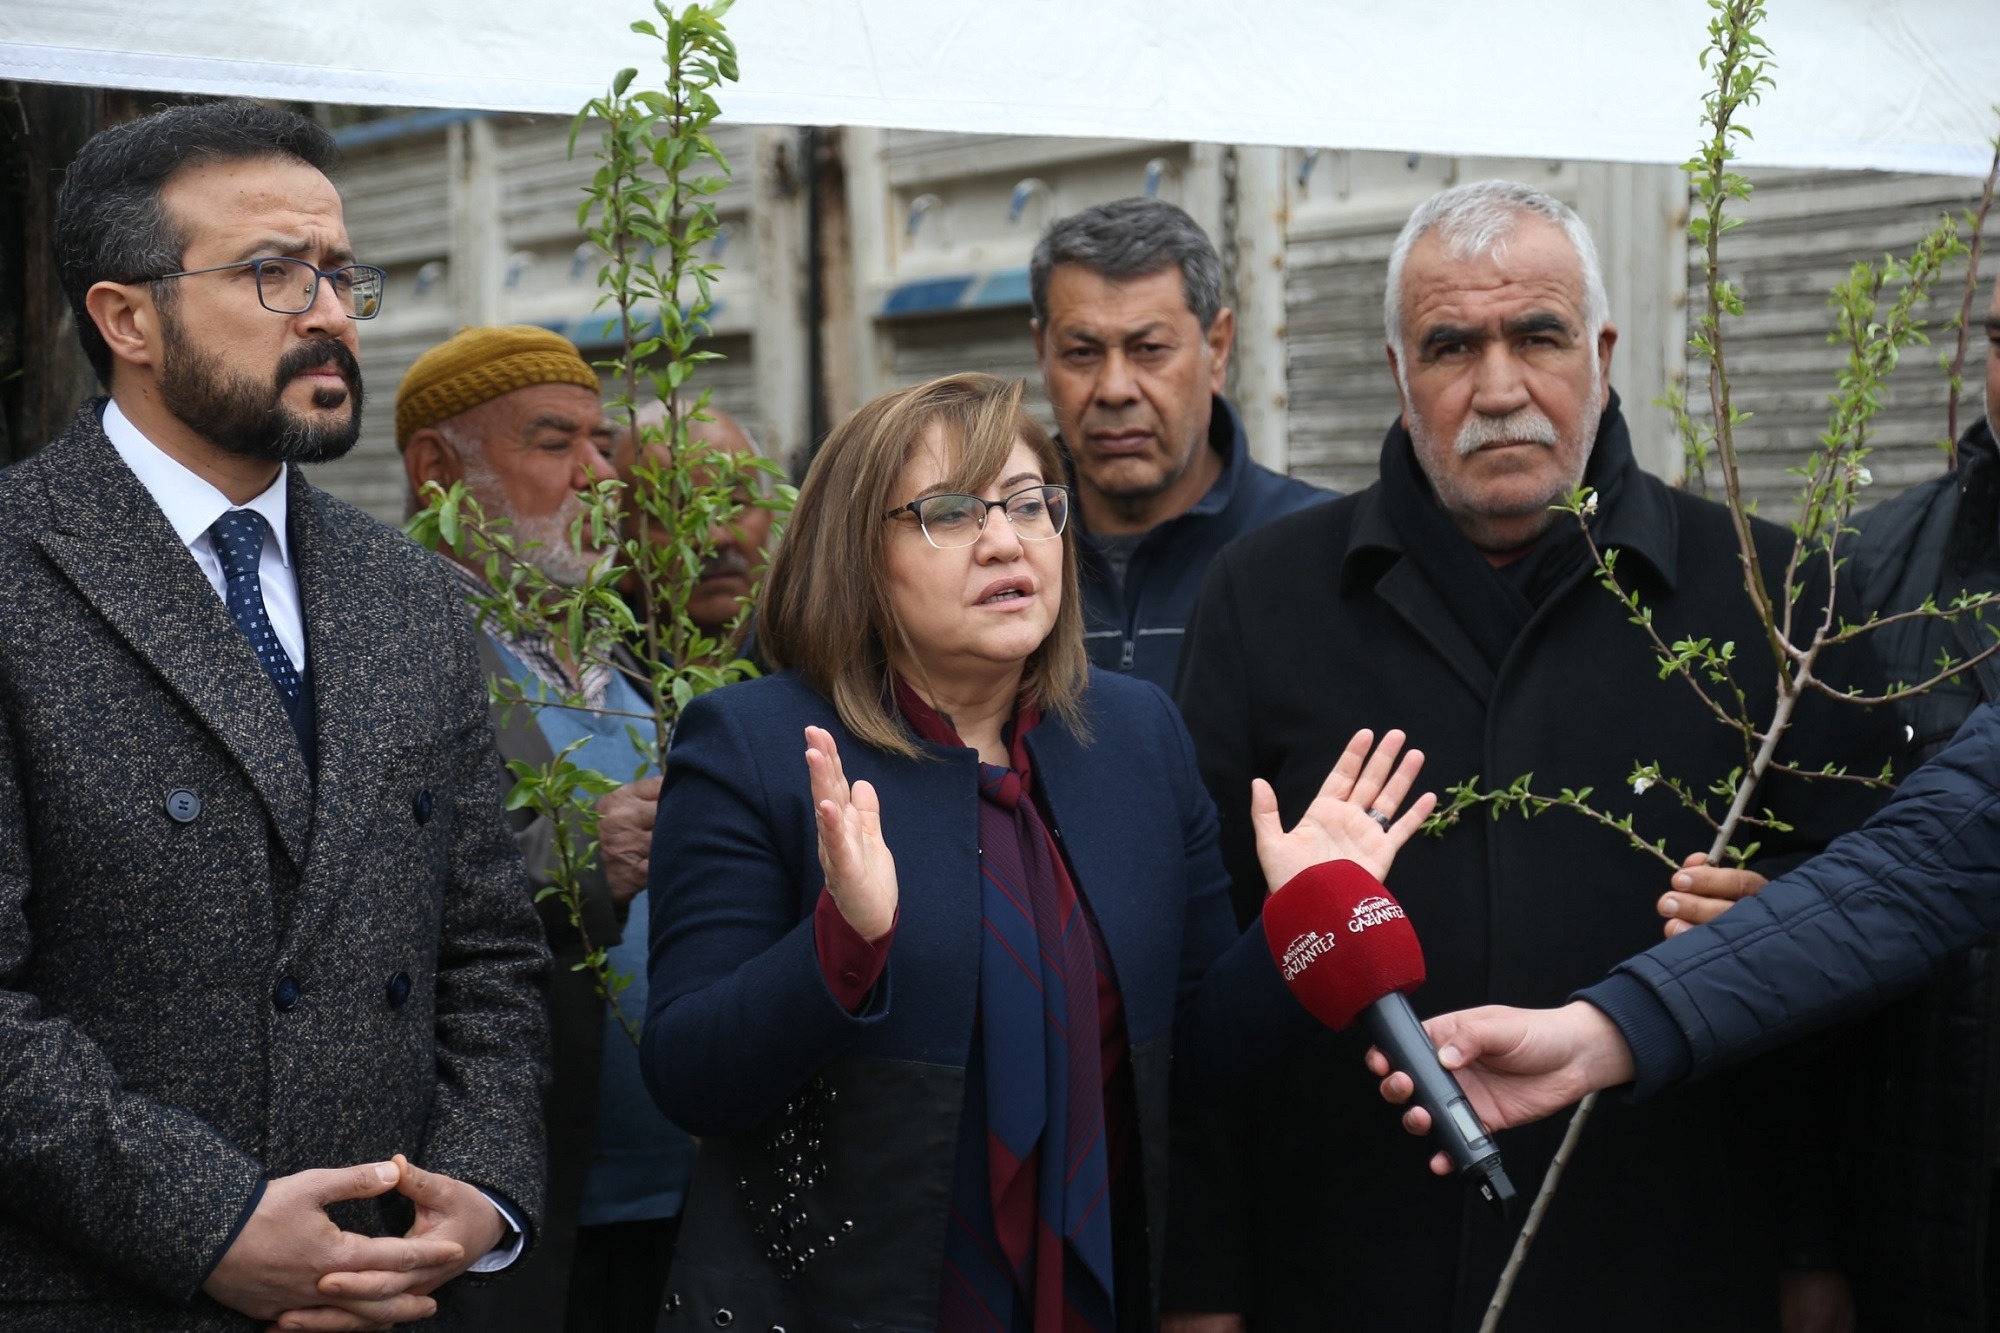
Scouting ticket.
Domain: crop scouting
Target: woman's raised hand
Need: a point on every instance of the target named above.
(860, 872)
(1341, 823)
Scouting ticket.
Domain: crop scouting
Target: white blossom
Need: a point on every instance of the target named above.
(1590, 504)
(1863, 477)
(1640, 783)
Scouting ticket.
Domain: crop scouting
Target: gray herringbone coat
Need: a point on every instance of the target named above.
(148, 1080)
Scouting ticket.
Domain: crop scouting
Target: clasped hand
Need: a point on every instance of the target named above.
(290, 1264)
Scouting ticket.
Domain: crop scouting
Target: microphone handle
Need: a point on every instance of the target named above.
(1395, 1029)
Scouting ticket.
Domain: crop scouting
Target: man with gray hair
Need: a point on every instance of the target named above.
(1449, 599)
(1133, 342)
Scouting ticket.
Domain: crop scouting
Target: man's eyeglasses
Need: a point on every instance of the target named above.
(950, 520)
(290, 286)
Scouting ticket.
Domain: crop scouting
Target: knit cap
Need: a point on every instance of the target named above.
(475, 366)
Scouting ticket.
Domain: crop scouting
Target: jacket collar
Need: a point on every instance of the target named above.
(1641, 522)
(1225, 436)
(115, 545)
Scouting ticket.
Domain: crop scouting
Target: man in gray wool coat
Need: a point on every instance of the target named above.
(271, 1038)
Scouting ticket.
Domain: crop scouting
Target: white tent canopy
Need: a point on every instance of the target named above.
(1893, 84)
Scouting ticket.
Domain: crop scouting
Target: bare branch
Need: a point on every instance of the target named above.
(1909, 692)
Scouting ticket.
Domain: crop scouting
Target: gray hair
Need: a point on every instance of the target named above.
(1131, 238)
(1477, 218)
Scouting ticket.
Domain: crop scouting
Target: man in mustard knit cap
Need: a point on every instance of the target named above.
(514, 414)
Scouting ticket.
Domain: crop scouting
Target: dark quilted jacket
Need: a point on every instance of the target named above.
(1927, 1071)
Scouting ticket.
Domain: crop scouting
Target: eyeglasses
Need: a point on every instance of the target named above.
(290, 286)
(1037, 513)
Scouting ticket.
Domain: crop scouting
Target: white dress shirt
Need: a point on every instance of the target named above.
(192, 505)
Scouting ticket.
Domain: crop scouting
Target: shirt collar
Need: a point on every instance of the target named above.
(190, 502)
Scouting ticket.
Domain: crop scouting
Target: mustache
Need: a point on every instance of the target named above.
(728, 560)
(1524, 425)
(316, 355)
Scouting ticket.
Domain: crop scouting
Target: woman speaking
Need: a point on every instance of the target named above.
(939, 916)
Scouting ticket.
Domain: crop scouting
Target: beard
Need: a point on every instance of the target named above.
(244, 416)
(554, 553)
(542, 542)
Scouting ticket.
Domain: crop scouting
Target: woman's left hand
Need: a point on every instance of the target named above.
(1340, 824)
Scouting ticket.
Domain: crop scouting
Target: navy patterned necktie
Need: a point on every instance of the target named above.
(239, 542)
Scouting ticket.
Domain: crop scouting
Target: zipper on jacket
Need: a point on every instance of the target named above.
(1125, 657)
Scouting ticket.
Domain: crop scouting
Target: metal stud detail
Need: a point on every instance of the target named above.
(795, 1146)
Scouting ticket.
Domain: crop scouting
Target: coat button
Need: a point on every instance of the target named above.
(183, 806)
(286, 994)
(399, 989)
(422, 807)
(723, 1319)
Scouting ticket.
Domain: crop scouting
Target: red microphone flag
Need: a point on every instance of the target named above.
(1340, 941)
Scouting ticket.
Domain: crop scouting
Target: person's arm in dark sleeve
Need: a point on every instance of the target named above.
(1866, 921)
(739, 1009)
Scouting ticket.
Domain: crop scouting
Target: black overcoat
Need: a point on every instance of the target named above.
(1320, 624)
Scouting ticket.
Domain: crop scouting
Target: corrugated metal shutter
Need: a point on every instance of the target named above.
(396, 198)
(1340, 392)
(996, 343)
(1802, 231)
(960, 215)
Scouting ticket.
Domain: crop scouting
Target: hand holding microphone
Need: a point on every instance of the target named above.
(1347, 951)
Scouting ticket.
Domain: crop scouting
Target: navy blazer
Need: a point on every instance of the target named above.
(740, 1018)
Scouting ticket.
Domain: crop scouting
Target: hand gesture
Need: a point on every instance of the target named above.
(1516, 1065)
(1703, 892)
(276, 1263)
(860, 873)
(1342, 823)
(455, 1218)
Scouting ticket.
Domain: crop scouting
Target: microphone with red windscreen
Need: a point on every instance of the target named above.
(1347, 951)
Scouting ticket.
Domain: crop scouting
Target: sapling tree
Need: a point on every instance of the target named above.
(1878, 315)
(650, 210)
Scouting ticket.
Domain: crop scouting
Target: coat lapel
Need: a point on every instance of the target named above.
(352, 640)
(1404, 590)
(110, 539)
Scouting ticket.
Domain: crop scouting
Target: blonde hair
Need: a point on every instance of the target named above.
(826, 611)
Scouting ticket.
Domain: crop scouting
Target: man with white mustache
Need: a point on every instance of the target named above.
(1451, 600)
